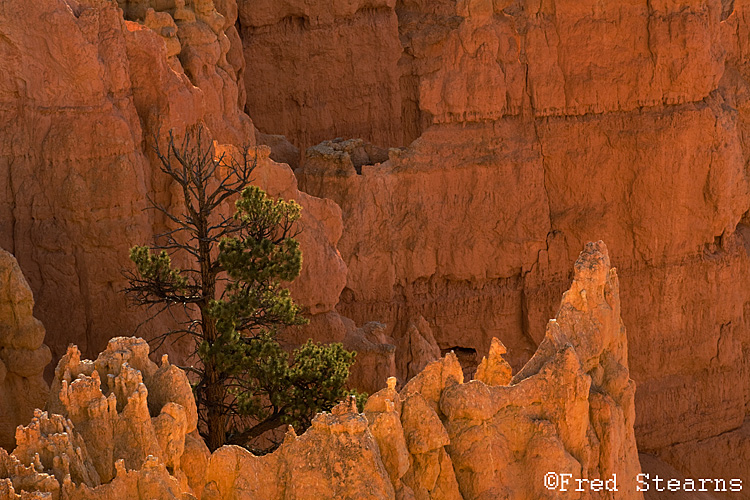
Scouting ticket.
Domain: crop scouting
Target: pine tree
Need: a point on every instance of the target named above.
(233, 297)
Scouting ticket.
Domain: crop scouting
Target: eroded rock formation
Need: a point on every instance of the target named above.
(123, 426)
(23, 354)
(83, 95)
(540, 126)
(116, 427)
(202, 43)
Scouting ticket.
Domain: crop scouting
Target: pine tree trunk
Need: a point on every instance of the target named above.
(257, 430)
(216, 417)
(216, 392)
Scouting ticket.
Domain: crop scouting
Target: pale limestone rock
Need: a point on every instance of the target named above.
(431, 475)
(388, 432)
(434, 379)
(114, 412)
(348, 468)
(109, 433)
(52, 442)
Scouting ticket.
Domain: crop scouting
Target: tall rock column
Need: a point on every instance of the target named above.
(23, 354)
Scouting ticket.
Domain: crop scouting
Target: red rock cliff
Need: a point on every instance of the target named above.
(537, 126)
(542, 125)
(85, 88)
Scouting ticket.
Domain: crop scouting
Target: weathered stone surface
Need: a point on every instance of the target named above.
(70, 153)
(202, 43)
(320, 227)
(724, 456)
(665, 186)
(655, 467)
(429, 62)
(23, 354)
(418, 259)
(541, 125)
(479, 59)
(417, 348)
(349, 468)
(282, 151)
(567, 400)
(375, 359)
(83, 96)
(125, 428)
(348, 48)
(570, 410)
(494, 370)
(119, 424)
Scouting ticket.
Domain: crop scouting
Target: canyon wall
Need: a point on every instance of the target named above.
(70, 147)
(86, 89)
(122, 427)
(542, 125)
(319, 70)
(536, 126)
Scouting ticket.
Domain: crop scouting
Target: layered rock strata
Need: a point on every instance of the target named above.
(319, 70)
(540, 126)
(83, 96)
(202, 43)
(323, 68)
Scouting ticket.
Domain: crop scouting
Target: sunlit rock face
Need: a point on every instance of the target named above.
(23, 354)
(385, 70)
(539, 126)
(123, 427)
(116, 427)
(532, 128)
(83, 97)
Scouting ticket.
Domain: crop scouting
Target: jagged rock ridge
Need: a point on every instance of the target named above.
(123, 426)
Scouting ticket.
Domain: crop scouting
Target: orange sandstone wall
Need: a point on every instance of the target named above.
(319, 70)
(542, 125)
(537, 126)
(85, 87)
(70, 147)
